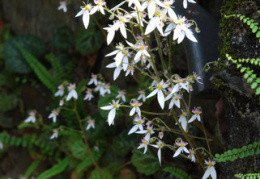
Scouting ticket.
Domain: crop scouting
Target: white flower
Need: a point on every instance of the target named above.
(72, 92)
(182, 30)
(89, 95)
(138, 121)
(60, 92)
(192, 156)
(98, 7)
(121, 94)
(160, 135)
(180, 84)
(130, 70)
(181, 148)
(93, 80)
(121, 56)
(63, 6)
(111, 32)
(147, 132)
(196, 115)
(167, 6)
(100, 88)
(117, 69)
(175, 100)
(156, 22)
(160, 87)
(85, 14)
(112, 113)
(210, 170)
(121, 24)
(144, 144)
(159, 146)
(135, 108)
(139, 16)
(91, 124)
(107, 89)
(151, 6)
(185, 2)
(61, 103)
(31, 117)
(183, 121)
(142, 95)
(53, 115)
(142, 50)
(55, 134)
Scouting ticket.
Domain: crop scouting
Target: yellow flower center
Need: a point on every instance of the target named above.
(167, 4)
(159, 86)
(179, 81)
(130, 68)
(86, 7)
(136, 105)
(179, 22)
(142, 47)
(181, 145)
(176, 99)
(197, 112)
(157, 13)
(191, 153)
(161, 144)
(173, 21)
(114, 105)
(125, 53)
(99, 3)
(145, 143)
(149, 0)
(149, 130)
(210, 164)
(139, 122)
(142, 15)
(122, 19)
(183, 114)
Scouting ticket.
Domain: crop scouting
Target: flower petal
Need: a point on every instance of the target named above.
(160, 97)
(111, 116)
(133, 129)
(178, 151)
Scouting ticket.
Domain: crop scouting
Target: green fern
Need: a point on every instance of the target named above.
(249, 74)
(245, 151)
(58, 69)
(250, 22)
(177, 173)
(248, 176)
(42, 73)
(55, 170)
(32, 168)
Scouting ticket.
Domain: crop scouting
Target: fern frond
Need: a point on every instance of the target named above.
(41, 72)
(57, 68)
(248, 176)
(249, 74)
(178, 173)
(245, 151)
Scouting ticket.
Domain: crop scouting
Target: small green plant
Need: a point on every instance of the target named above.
(248, 176)
(249, 74)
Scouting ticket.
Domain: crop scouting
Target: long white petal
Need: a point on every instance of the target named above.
(138, 55)
(93, 10)
(123, 31)
(160, 97)
(184, 124)
(213, 173)
(172, 14)
(152, 93)
(111, 116)
(185, 4)
(151, 9)
(146, 53)
(206, 174)
(86, 19)
(110, 36)
(186, 150)
(107, 107)
(111, 65)
(177, 32)
(178, 151)
(171, 103)
(132, 112)
(119, 58)
(181, 37)
(150, 27)
(159, 155)
(117, 6)
(80, 12)
(133, 129)
(117, 72)
(191, 37)
(192, 118)
(112, 53)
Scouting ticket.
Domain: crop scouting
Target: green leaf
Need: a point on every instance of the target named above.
(177, 173)
(123, 143)
(89, 41)
(63, 39)
(254, 85)
(100, 174)
(246, 75)
(83, 166)
(32, 168)
(77, 148)
(250, 80)
(13, 57)
(258, 34)
(257, 91)
(145, 163)
(255, 28)
(55, 170)
(41, 72)
(243, 69)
